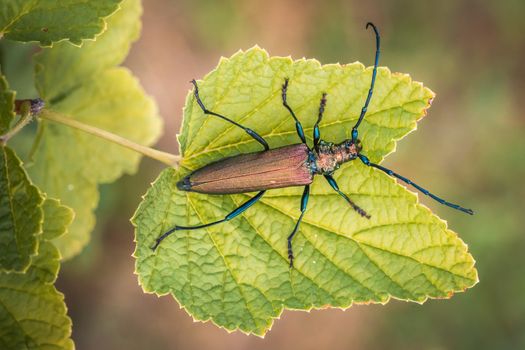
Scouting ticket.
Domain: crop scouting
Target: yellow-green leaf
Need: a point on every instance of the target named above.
(84, 84)
(48, 21)
(236, 273)
(32, 312)
(20, 214)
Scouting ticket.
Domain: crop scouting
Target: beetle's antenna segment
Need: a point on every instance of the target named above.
(374, 72)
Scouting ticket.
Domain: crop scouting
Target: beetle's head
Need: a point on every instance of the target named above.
(352, 147)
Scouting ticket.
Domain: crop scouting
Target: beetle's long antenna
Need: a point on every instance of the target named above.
(366, 161)
(374, 72)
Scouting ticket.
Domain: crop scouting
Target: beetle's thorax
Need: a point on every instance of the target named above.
(330, 156)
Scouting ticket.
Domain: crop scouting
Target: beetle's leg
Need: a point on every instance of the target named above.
(317, 133)
(371, 89)
(249, 131)
(366, 161)
(304, 202)
(332, 183)
(298, 125)
(228, 217)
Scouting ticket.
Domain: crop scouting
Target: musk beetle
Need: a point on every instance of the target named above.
(292, 165)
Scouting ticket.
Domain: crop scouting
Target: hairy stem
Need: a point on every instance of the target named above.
(164, 157)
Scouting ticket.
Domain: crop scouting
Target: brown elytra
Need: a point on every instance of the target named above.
(277, 168)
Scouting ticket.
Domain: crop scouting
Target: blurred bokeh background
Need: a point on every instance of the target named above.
(470, 148)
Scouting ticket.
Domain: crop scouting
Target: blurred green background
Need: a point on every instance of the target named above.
(469, 149)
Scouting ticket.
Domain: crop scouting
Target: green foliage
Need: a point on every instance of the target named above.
(236, 273)
(50, 21)
(84, 84)
(7, 100)
(20, 214)
(16, 65)
(32, 311)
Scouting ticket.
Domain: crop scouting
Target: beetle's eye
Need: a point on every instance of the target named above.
(359, 146)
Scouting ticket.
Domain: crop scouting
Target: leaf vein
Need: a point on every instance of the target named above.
(284, 257)
(317, 225)
(229, 268)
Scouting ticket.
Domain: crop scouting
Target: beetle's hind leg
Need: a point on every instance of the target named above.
(228, 217)
(304, 202)
(249, 131)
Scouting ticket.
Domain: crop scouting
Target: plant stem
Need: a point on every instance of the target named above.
(164, 157)
(36, 143)
(24, 109)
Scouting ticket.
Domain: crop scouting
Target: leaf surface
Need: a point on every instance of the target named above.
(236, 273)
(49, 21)
(32, 312)
(20, 214)
(84, 84)
(7, 103)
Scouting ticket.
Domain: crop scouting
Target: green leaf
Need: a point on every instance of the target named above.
(49, 21)
(237, 273)
(7, 104)
(84, 84)
(57, 219)
(85, 64)
(20, 214)
(32, 312)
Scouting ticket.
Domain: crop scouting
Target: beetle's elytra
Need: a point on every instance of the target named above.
(277, 168)
(293, 165)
